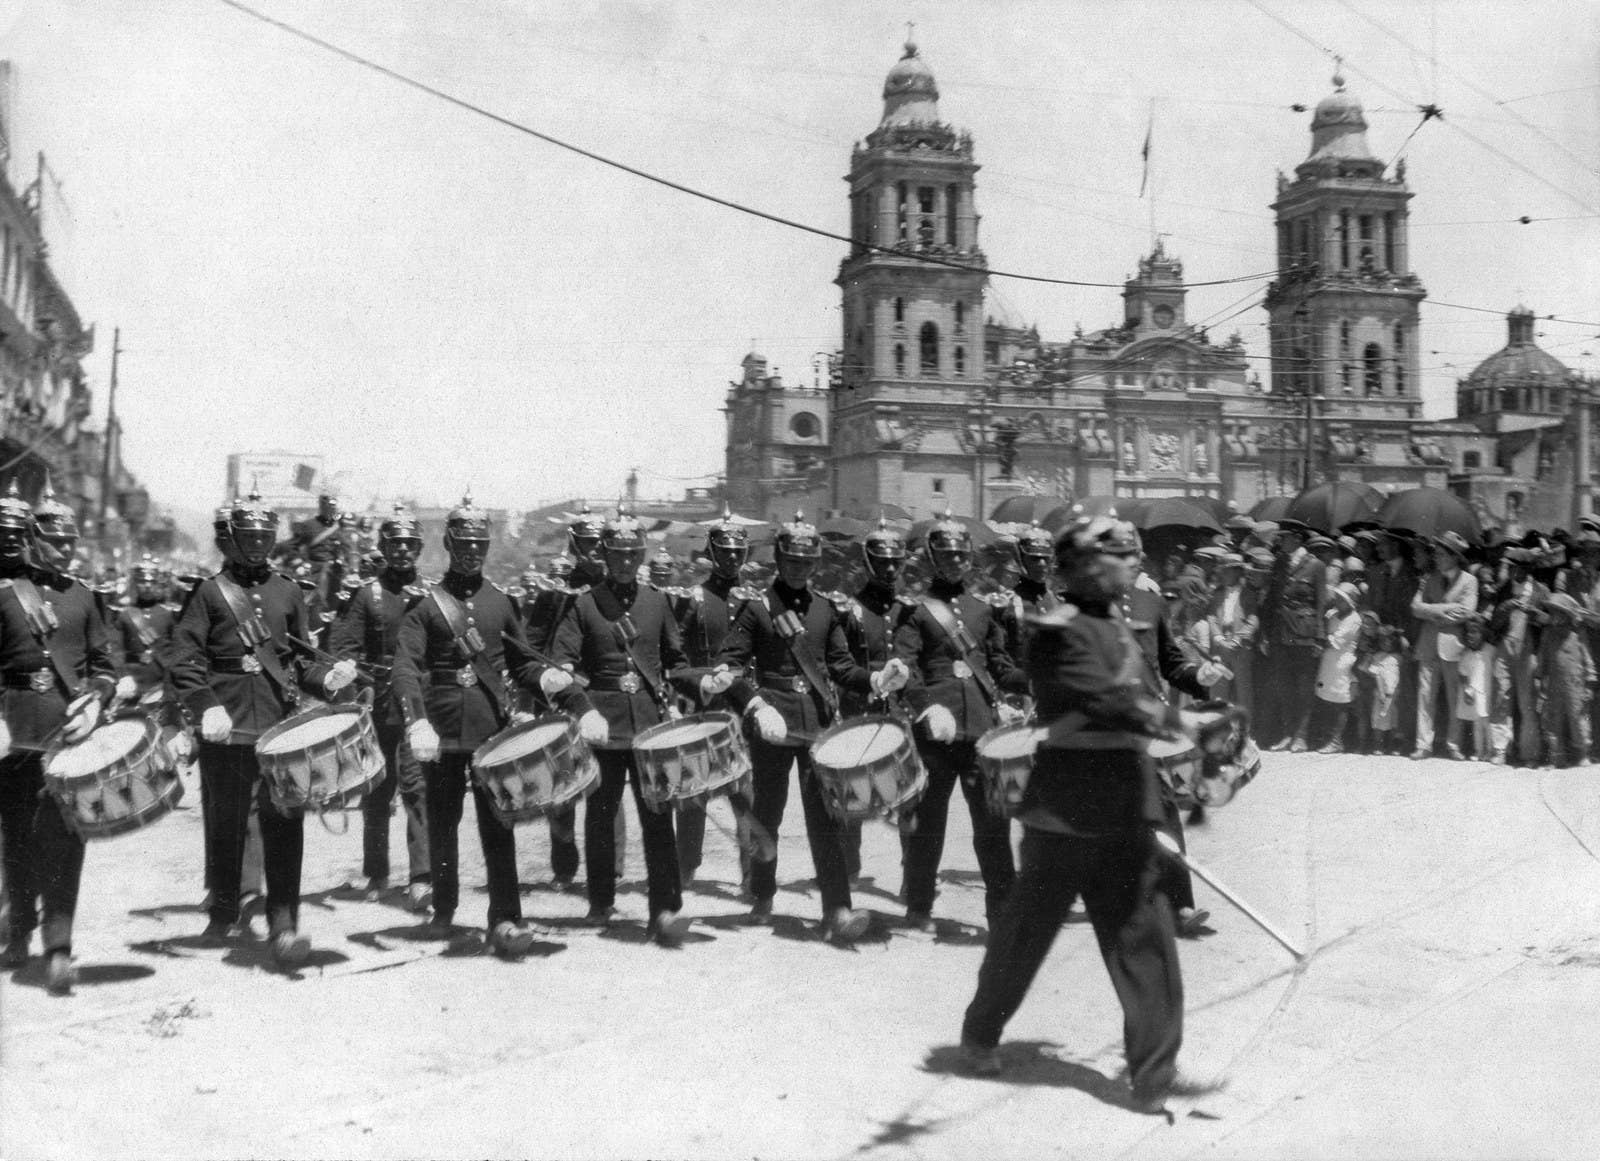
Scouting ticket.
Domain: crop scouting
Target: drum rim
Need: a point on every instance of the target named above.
(480, 755)
(724, 719)
(354, 709)
(143, 749)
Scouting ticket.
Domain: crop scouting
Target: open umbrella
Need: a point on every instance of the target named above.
(1023, 509)
(1272, 508)
(1330, 507)
(1173, 512)
(1429, 512)
(843, 528)
(1125, 507)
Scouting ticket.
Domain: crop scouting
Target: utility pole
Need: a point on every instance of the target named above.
(1582, 479)
(1306, 474)
(111, 433)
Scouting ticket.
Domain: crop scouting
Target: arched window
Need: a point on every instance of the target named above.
(1399, 359)
(929, 352)
(900, 360)
(1372, 369)
(961, 361)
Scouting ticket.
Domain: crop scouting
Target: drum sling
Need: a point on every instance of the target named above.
(956, 633)
(41, 620)
(609, 606)
(256, 637)
(788, 625)
(471, 645)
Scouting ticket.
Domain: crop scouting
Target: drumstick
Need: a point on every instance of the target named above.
(324, 655)
(578, 679)
(1170, 846)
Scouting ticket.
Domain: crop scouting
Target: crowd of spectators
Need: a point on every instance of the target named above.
(1381, 641)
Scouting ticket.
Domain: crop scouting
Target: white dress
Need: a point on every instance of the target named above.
(1339, 659)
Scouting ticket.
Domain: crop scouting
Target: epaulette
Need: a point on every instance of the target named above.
(745, 593)
(1001, 600)
(840, 600)
(350, 582)
(516, 591)
(170, 606)
(698, 594)
(1055, 618)
(5, 583)
(416, 590)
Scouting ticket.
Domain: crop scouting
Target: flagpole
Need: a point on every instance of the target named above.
(1149, 137)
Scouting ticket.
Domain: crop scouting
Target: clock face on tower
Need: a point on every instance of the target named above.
(1162, 316)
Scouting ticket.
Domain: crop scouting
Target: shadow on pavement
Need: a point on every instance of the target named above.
(635, 931)
(166, 909)
(89, 975)
(1032, 1062)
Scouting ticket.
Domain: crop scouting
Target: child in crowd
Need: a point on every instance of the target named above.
(1476, 664)
(1566, 672)
(1384, 669)
(1338, 663)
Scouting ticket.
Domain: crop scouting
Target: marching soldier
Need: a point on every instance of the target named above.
(709, 611)
(139, 629)
(662, 569)
(320, 543)
(621, 636)
(450, 652)
(239, 673)
(871, 618)
(794, 638)
(954, 645)
(57, 674)
(367, 632)
(1087, 816)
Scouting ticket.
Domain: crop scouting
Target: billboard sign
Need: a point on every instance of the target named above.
(284, 479)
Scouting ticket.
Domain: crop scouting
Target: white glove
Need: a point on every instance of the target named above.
(215, 724)
(5, 738)
(180, 745)
(423, 740)
(890, 679)
(127, 689)
(719, 680)
(941, 723)
(341, 675)
(553, 680)
(1211, 672)
(81, 724)
(593, 728)
(521, 717)
(769, 722)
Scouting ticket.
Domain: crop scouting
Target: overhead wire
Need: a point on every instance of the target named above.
(727, 203)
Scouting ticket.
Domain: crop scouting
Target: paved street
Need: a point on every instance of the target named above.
(1446, 1011)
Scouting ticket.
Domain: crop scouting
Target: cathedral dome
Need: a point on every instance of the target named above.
(910, 95)
(1521, 361)
(1339, 131)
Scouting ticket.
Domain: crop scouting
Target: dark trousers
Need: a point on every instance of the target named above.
(446, 782)
(398, 774)
(43, 856)
(564, 857)
(1175, 881)
(1291, 671)
(949, 763)
(617, 769)
(231, 777)
(770, 768)
(1119, 879)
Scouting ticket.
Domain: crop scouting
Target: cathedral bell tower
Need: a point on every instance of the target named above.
(1343, 311)
(912, 329)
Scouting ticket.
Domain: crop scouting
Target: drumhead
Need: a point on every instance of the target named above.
(309, 733)
(859, 744)
(1164, 748)
(672, 735)
(526, 740)
(1010, 742)
(100, 749)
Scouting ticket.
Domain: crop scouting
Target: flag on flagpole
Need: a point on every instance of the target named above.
(1145, 152)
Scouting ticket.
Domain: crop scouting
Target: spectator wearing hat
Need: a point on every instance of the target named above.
(1337, 665)
(1447, 599)
(1513, 629)
(1239, 529)
(1568, 672)
(1327, 551)
(1296, 632)
(1235, 619)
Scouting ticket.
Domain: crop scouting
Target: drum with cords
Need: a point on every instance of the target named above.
(1005, 758)
(322, 758)
(686, 762)
(115, 781)
(535, 768)
(868, 767)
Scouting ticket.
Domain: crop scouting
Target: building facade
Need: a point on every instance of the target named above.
(933, 404)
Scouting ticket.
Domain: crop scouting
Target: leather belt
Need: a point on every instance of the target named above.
(466, 677)
(245, 664)
(38, 680)
(617, 682)
(788, 683)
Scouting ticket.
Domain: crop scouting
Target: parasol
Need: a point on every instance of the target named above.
(1428, 512)
(1330, 507)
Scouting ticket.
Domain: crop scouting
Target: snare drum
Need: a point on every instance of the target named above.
(1005, 757)
(535, 768)
(685, 763)
(321, 758)
(116, 780)
(868, 768)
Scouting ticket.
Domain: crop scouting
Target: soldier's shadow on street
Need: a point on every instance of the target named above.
(1032, 1062)
(162, 910)
(964, 878)
(637, 931)
(461, 943)
(90, 975)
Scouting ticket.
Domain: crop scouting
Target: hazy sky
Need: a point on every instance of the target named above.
(304, 255)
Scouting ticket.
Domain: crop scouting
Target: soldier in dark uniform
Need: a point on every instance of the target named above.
(320, 543)
(954, 645)
(794, 639)
(621, 636)
(870, 620)
(239, 674)
(1087, 816)
(57, 674)
(140, 629)
(708, 612)
(367, 632)
(450, 654)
